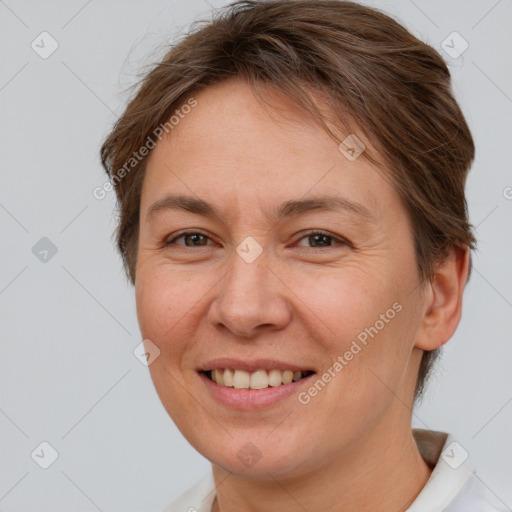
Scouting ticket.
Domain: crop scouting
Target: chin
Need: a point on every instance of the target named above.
(255, 456)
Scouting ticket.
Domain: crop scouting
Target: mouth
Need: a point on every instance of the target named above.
(255, 380)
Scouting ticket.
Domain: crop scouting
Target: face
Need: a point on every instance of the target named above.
(251, 279)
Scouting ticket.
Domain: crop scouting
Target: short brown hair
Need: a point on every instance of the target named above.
(368, 68)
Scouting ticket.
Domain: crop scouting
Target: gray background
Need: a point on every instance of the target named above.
(68, 325)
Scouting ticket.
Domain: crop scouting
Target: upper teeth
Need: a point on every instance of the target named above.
(260, 379)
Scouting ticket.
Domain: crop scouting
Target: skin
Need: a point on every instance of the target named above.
(350, 448)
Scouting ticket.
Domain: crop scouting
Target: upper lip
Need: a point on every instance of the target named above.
(251, 365)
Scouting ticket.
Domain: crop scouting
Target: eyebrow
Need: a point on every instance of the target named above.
(291, 208)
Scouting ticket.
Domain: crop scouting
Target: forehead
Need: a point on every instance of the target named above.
(229, 146)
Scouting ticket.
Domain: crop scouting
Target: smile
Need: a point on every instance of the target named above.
(259, 379)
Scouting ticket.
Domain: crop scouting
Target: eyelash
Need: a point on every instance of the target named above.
(341, 241)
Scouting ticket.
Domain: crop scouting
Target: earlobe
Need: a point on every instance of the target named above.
(443, 306)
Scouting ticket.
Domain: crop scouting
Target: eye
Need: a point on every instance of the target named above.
(192, 239)
(322, 239)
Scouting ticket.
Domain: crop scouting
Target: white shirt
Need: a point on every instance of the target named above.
(453, 485)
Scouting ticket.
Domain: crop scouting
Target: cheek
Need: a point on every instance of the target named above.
(157, 307)
(167, 301)
(341, 303)
(367, 328)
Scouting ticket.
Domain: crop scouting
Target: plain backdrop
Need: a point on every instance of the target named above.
(68, 374)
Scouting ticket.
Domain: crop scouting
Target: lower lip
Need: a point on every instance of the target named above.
(252, 398)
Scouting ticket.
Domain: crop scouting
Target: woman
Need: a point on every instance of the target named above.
(290, 180)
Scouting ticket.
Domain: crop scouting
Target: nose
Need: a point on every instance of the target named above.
(251, 298)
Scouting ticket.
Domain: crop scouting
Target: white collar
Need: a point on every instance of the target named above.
(450, 474)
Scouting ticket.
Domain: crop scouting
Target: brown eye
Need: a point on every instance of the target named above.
(191, 239)
(321, 239)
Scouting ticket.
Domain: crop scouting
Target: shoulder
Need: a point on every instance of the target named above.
(198, 498)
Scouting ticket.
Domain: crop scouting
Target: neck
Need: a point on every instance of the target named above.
(381, 473)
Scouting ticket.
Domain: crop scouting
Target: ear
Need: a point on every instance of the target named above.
(443, 300)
